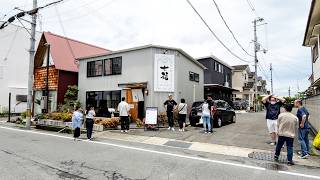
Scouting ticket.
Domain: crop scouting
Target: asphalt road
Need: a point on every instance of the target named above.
(38, 155)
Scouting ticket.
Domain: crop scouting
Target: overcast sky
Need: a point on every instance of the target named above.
(119, 24)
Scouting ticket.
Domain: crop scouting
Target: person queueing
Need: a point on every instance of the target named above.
(273, 105)
(89, 122)
(206, 117)
(286, 132)
(183, 109)
(303, 130)
(124, 109)
(77, 120)
(170, 105)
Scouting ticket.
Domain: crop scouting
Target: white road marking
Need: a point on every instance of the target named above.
(144, 150)
(299, 174)
(168, 154)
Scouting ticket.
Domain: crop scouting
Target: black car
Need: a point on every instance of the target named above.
(222, 113)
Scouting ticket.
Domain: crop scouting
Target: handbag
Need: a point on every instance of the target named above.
(201, 120)
(316, 141)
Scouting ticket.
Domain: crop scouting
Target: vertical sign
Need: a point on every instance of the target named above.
(164, 73)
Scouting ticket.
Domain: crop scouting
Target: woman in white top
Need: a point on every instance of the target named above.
(206, 117)
(89, 122)
(182, 108)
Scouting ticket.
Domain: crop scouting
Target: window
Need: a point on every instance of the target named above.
(102, 100)
(194, 76)
(191, 76)
(94, 68)
(315, 52)
(113, 66)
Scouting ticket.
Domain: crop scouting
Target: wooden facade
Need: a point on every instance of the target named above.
(40, 76)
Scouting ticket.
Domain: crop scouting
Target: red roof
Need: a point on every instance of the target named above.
(64, 51)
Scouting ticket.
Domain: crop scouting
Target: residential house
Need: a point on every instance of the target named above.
(62, 67)
(14, 67)
(242, 80)
(312, 40)
(217, 78)
(145, 75)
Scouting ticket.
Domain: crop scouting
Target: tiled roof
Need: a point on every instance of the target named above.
(65, 51)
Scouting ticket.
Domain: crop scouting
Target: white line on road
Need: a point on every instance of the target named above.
(165, 153)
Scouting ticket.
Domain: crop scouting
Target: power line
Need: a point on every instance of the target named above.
(234, 37)
(253, 9)
(212, 32)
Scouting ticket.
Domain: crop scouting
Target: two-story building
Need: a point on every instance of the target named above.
(14, 67)
(217, 78)
(61, 68)
(242, 80)
(145, 75)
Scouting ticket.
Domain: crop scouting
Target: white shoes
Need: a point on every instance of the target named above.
(172, 129)
(169, 128)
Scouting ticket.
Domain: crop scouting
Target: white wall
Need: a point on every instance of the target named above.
(137, 66)
(14, 65)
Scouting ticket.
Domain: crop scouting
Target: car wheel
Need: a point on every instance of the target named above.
(219, 122)
(234, 119)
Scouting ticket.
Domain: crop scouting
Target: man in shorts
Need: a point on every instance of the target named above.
(273, 105)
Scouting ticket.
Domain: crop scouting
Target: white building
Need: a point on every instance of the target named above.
(144, 75)
(14, 67)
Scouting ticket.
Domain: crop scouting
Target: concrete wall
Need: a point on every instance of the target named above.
(313, 106)
(14, 65)
(137, 66)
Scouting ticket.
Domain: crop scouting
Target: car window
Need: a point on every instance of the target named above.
(220, 104)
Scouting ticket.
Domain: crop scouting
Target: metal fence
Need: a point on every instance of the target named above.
(313, 106)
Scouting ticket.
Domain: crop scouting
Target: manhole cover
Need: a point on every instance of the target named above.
(178, 144)
(266, 156)
(274, 166)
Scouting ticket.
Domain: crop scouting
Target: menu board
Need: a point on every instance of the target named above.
(151, 115)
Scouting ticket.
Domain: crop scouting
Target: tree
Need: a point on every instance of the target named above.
(70, 99)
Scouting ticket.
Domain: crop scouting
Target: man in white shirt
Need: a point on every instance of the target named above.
(124, 109)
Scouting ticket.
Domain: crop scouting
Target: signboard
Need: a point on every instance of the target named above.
(164, 73)
(151, 115)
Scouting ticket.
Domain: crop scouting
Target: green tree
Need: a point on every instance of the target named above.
(70, 99)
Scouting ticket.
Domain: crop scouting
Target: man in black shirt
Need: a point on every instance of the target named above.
(273, 105)
(170, 105)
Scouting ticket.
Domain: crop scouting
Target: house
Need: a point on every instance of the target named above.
(14, 67)
(62, 68)
(312, 40)
(217, 78)
(242, 80)
(145, 75)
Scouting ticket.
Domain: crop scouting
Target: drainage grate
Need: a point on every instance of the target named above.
(266, 156)
(178, 144)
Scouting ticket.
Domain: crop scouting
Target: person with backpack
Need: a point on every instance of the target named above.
(170, 105)
(206, 117)
(183, 109)
(303, 130)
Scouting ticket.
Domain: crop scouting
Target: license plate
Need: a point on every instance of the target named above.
(199, 113)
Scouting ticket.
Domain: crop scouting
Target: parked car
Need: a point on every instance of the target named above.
(222, 113)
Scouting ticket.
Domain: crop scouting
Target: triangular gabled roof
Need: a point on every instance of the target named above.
(65, 51)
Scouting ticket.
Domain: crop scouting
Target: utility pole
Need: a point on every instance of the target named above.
(289, 91)
(31, 65)
(256, 50)
(271, 78)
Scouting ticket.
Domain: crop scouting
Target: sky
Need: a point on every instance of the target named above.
(120, 24)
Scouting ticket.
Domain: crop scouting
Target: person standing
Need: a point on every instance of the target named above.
(304, 129)
(77, 120)
(124, 109)
(89, 122)
(273, 105)
(206, 117)
(286, 131)
(183, 109)
(170, 105)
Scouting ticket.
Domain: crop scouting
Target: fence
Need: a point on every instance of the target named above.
(313, 106)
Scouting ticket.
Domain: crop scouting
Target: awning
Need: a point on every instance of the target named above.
(134, 85)
(218, 86)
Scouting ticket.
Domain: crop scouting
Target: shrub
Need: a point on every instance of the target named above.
(24, 114)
